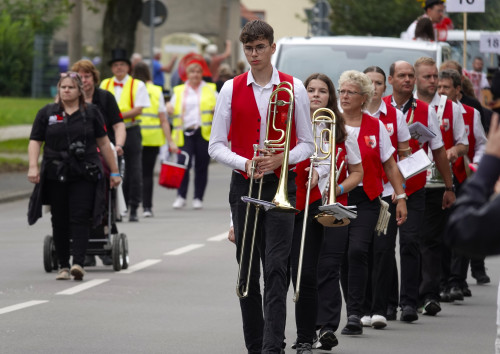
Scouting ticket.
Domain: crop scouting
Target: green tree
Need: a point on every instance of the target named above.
(488, 21)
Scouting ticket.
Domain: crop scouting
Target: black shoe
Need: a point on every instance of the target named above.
(391, 314)
(304, 348)
(353, 326)
(106, 260)
(409, 314)
(89, 261)
(456, 294)
(444, 296)
(431, 307)
(481, 277)
(466, 291)
(133, 215)
(328, 339)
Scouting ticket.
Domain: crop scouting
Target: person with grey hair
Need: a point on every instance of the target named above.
(356, 91)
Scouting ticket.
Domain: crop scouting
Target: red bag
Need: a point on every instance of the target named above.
(172, 173)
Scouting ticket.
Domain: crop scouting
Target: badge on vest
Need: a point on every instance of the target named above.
(467, 130)
(390, 128)
(54, 119)
(371, 141)
(446, 124)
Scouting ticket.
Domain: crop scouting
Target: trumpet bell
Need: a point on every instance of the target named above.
(328, 220)
(283, 206)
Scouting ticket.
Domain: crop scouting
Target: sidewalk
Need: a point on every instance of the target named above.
(14, 185)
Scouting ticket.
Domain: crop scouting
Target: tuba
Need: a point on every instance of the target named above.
(280, 202)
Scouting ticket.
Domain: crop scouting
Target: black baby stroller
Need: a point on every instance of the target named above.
(105, 240)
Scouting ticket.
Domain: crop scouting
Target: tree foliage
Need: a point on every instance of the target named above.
(490, 20)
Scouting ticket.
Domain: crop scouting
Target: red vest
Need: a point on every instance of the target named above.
(245, 119)
(447, 125)
(421, 115)
(459, 165)
(301, 181)
(390, 121)
(369, 146)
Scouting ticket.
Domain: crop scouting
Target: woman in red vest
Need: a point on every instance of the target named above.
(356, 91)
(321, 93)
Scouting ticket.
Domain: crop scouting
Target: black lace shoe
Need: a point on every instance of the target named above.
(456, 294)
(466, 291)
(353, 326)
(445, 296)
(408, 314)
(304, 348)
(481, 276)
(431, 307)
(328, 339)
(133, 215)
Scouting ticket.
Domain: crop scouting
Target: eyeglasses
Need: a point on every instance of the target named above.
(70, 74)
(259, 49)
(348, 93)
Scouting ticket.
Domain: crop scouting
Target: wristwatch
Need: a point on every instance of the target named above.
(401, 196)
(450, 189)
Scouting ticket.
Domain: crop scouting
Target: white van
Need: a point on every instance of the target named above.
(455, 38)
(302, 56)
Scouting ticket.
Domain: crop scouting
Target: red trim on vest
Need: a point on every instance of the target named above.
(447, 125)
(369, 146)
(390, 121)
(245, 119)
(459, 165)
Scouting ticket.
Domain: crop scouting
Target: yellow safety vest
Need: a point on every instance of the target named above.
(207, 106)
(152, 133)
(127, 97)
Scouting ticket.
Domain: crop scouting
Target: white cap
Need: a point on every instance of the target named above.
(211, 49)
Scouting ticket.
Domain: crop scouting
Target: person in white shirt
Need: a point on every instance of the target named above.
(131, 96)
(242, 110)
(435, 217)
(434, 9)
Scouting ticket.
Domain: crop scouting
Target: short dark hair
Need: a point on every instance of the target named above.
(429, 4)
(257, 30)
(451, 74)
(375, 69)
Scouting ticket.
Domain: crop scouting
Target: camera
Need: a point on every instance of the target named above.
(77, 149)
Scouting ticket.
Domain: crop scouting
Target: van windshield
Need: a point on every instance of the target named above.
(332, 60)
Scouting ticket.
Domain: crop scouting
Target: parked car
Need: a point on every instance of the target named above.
(302, 56)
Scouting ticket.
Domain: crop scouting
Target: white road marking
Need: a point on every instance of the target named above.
(184, 249)
(21, 306)
(84, 286)
(218, 238)
(139, 266)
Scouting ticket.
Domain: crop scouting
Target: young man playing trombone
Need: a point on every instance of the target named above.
(242, 107)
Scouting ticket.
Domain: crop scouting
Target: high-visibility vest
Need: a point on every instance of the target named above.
(207, 106)
(151, 130)
(127, 97)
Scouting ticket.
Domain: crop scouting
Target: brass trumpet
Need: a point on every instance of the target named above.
(280, 201)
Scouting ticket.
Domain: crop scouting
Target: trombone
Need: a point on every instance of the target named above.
(280, 202)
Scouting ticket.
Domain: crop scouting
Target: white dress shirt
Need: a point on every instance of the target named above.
(479, 134)
(219, 147)
(141, 98)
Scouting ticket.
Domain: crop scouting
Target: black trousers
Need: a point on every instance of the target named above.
(431, 245)
(197, 148)
(132, 182)
(354, 273)
(264, 318)
(331, 256)
(409, 249)
(307, 304)
(72, 205)
(382, 263)
(149, 157)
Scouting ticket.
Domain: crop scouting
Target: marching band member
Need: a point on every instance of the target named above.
(435, 216)
(383, 268)
(242, 106)
(356, 91)
(321, 92)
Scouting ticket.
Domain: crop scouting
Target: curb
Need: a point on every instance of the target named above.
(11, 197)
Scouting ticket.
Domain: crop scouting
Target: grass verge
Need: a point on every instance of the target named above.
(13, 165)
(17, 111)
(14, 145)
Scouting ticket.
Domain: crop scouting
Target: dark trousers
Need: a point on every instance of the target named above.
(431, 245)
(382, 266)
(149, 157)
(72, 204)
(264, 321)
(409, 250)
(330, 260)
(354, 273)
(132, 182)
(307, 304)
(197, 148)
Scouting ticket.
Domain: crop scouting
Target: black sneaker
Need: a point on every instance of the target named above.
(133, 215)
(328, 339)
(408, 314)
(445, 296)
(431, 307)
(456, 294)
(353, 327)
(481, 277)
(466, 291)
(304, 348)
(391, 314)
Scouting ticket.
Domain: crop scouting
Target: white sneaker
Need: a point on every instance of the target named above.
(379, 322)
(366, 321)
(179, 203)
(148, 213)
(197, 204)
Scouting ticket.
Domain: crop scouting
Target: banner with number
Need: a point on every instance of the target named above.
(465, 5)
(489, 43)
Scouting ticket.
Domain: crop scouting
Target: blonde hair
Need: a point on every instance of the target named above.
(424, 61)
(362, 80)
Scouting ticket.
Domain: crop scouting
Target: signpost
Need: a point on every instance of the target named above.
(465, 6)
(154, 14)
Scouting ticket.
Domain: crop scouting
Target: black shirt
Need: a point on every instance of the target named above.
(109, 109)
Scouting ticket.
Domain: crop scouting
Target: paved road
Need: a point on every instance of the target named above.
(183, 300)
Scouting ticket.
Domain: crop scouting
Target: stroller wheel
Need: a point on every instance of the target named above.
(125, 259)
(117, 250)
(49, 254)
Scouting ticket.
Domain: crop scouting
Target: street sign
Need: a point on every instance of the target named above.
(489, 43)
(465, 6)
(160, 13)
(318, 17)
